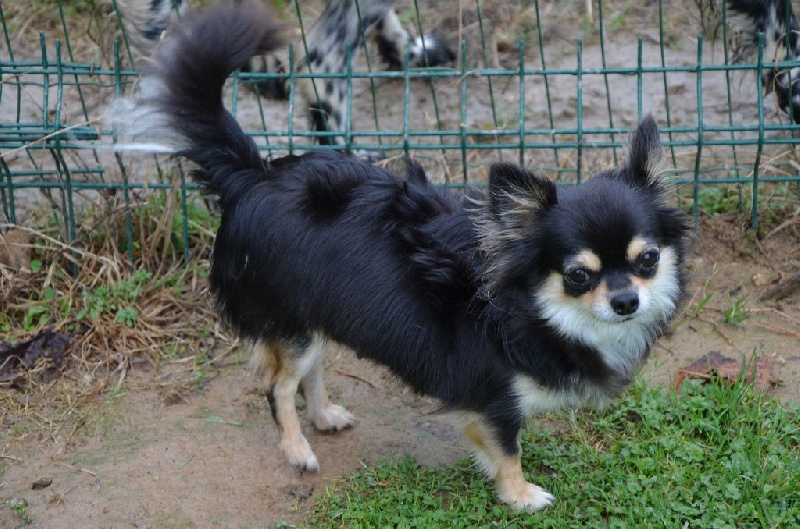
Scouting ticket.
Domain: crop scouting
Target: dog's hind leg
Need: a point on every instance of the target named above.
(501, 460)
(326, 416)
(286, 363)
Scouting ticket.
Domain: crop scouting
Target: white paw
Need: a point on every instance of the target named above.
(300, 455)
(528, 497)
(333, 419)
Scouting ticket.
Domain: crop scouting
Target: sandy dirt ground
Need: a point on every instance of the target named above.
(208, 456)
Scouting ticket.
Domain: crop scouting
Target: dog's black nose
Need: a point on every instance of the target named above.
(625, 303)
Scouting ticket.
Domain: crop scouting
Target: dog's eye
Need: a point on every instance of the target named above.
(648, 260)
(578, 276)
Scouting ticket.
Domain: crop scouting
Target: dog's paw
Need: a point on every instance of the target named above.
(431, 50)
(528, 497)
(300, 455)
(368, 155)
(333, 419)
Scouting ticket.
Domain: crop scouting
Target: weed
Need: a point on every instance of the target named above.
(116, 298)
(115, 394)
(718, 200)
(19, 430)
(710, 17)
(199, 372)
(700, 305)
(36, 317)
(127, 316)
(173, 350)
(588, 26)
(20, 508)
(738, 313)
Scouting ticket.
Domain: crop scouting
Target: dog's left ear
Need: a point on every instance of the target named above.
(645, 156)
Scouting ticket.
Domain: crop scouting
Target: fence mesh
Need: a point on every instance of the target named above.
(553, 85)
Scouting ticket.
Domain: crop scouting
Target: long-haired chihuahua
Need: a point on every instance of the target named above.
(529, 297)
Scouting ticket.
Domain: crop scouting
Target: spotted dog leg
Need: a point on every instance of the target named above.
(342, 26)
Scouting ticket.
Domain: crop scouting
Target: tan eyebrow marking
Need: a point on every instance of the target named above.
(637, 247)
(585, 259)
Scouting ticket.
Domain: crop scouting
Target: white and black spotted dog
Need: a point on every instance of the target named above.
(748, 18)
(341, 26)
(526, 298)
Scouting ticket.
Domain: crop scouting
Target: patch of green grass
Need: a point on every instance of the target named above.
(737, 313)
(719, 199)
(20, 508)
(715, 456)
(697, 308)
(116, 298)
(19, 429)
(115, 394)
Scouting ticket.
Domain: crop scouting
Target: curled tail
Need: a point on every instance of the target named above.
(178, 102)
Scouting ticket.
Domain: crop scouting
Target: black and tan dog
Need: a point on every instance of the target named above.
(526, 299)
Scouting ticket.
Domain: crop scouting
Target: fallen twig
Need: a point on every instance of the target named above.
(360, 379)
(779, 330)
(70, 466)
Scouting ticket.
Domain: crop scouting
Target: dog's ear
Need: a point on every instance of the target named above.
(515, 199)
(414, 172)
(645, 155)
(516, 194)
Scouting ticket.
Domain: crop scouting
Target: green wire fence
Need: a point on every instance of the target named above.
(563, 105)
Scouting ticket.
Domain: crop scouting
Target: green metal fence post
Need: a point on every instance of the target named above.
(579, 113)
(760, 147)
(699, 130)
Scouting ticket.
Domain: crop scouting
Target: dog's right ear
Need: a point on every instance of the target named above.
(514, 201)
(515, 195)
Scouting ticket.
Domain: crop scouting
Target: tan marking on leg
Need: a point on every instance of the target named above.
(326, 416)
(293, 444)
(512, 488)
(266, 360)
(293, 368)
(474, 433)
(504, 469)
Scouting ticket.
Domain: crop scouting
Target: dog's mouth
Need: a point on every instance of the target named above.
(618, 319)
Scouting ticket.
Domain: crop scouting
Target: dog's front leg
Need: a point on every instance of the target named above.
(502, 462)
(326, 416)
(294, 445)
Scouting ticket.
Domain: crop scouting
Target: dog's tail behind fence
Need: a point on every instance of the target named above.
(178, 105)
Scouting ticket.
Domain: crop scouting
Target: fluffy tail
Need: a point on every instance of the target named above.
(178, 103)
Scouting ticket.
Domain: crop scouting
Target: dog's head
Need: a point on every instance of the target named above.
(601, 263)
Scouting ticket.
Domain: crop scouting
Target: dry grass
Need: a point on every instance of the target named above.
(151, 316)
